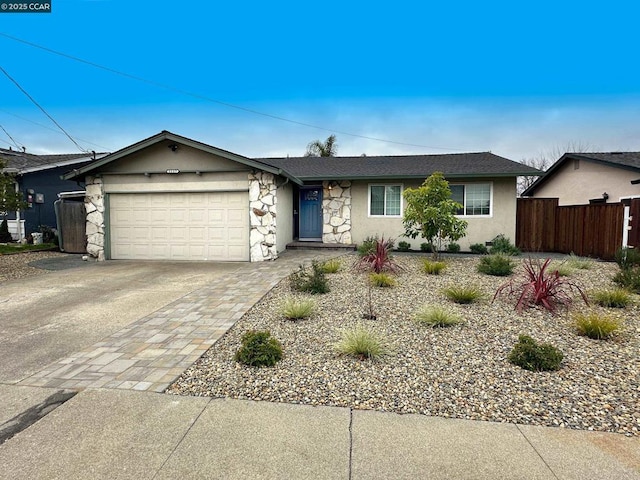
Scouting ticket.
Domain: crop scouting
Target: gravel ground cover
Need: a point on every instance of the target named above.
(16, 265)
(460, 371)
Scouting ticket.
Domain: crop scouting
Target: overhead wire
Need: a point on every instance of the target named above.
(7, 134)
(33, 100)
(55, 130)
(212, 100)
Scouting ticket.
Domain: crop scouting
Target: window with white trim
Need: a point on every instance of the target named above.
(385, 200)
(475, 198)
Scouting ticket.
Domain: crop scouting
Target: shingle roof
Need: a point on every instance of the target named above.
(29, 162)
(625, 160)
(484, 164)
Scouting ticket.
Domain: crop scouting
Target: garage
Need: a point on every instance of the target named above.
(179, 226)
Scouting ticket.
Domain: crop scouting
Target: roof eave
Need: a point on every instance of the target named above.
(165, 135)
(412, 177)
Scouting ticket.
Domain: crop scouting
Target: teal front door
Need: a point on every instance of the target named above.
(310, 213)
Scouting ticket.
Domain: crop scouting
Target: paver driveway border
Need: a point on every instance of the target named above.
(150, 353)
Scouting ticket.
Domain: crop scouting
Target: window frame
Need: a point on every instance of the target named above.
(385, 199)
(464, 205)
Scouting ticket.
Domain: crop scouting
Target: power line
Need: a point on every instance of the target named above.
(7, 133)
(212, 100)
(42, 109)
(108, 149)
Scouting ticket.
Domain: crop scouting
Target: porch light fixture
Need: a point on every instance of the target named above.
(605, 195)
(173, 171)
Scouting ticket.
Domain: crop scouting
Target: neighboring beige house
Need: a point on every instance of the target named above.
(581, 178)
(172, 198)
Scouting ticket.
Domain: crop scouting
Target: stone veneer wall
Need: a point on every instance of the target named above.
(262, 214)
(336, 212)
(94, 204)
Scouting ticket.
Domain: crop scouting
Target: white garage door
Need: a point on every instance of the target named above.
(180, 226)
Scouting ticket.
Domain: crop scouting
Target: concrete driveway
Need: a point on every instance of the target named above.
(48, 317)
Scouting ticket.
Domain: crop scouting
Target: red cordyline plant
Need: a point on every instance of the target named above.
(379, 260)
(542, 287)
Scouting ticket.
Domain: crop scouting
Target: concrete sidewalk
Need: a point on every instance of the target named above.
(112, 434)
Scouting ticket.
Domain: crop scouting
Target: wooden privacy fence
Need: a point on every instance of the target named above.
(587, 230)
(71, 217)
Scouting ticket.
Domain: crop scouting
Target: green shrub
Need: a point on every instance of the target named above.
(497, 265)
(502, 244)
(463, 294)
(614, 298)
(479, 248)
(298, 308)
(434, 316)
(331, 266)
(382, 280)
(362, 343)
(259, 349)
(578, 263)
(627, 258)
(595, 325)
(313, 281)
(453, 247)
(426, 247)
(404, 246)
(431, 267)
(530, 355)
(629, 278)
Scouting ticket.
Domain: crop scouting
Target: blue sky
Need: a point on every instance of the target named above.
(516, 78)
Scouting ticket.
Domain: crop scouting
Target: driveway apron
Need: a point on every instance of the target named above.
(150, 353)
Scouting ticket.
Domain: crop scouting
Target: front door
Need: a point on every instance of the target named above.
(310, 213)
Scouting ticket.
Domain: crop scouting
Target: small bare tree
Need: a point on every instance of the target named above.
(547, 158)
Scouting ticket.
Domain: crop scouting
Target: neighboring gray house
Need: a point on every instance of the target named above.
(170, 197)
(581, 178)
(38, 178)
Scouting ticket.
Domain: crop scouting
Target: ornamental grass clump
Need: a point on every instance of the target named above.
(595, 325)
(612, 298)
(297, 308)
(362, 343)
(431, 267)
(382, 280)
(259, 349)
(313, 281)
(498, 265)
(541, 287)
(531, 355)
(579, 263)
(628, 259)
(332, 266)
(379, 259)
(435, 316)
(463, 294)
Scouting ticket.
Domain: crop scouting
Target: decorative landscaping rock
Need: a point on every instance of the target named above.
(336, 209)
(94, 205)
(262, 215)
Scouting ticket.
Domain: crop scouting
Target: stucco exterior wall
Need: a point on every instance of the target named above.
(590, 180)
(159, 157)
(480, 229)
(285, 216)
